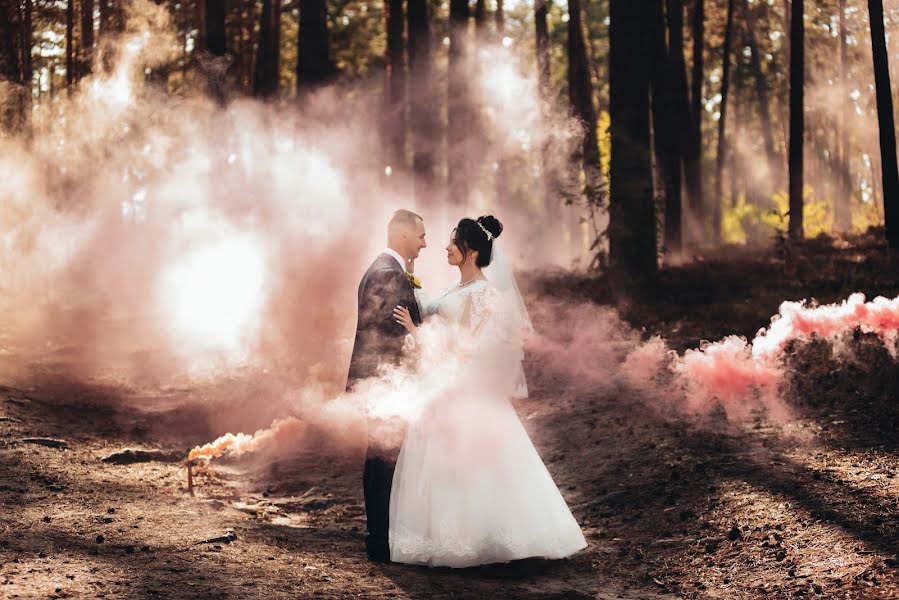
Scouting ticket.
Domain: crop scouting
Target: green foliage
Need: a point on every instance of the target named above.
(745, 222)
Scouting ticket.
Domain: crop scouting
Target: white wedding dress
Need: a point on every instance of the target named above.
(469, 487)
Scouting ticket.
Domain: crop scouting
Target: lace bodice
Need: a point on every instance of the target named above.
(467, 305)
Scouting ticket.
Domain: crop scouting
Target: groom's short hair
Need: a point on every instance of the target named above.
(403, 217)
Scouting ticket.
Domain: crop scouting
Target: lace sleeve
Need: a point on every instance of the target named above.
(496, 342)
(481, 311)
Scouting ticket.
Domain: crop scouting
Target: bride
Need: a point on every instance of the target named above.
(469, 488)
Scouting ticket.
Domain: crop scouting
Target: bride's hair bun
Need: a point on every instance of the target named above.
(477, 235)
(491, 224)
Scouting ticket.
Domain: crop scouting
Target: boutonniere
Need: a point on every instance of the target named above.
(415, 281)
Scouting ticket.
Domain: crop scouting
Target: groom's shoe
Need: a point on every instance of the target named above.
(378, 550)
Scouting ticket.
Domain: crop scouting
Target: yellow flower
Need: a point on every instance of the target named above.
(415, 281)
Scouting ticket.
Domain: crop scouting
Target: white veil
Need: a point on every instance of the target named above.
(516, 324)
(500, 274)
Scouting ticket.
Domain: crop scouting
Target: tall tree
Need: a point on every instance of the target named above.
(266, 75)
(797, 117)
(632, 236)
(541, 32)
(395, 83)
(843, 200)
(314, 64)
(15, 65)
(87, 38)
(212, 32)
(679, 69)
(459, 122)
(500, 18)
(721, 154)
(424, 127)
(105, 20)
(70, 43)
(666, 126)
(885, 120)
(761, 87)
(480, 15)
(693, 155)
(580, 94)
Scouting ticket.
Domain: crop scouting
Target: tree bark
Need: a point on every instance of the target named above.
(11, 67)
(105, 20)
(760, 87)
(843, 201)
(87, 38)
(721, 154)
(547, 172)
(395, 84)
(885, 121)
(580, 94)
(459, 123)
(797, 118)
(480, 15)
(314, 64)
(675, 10)
(666, 125)
(424, 127)
(213, 29)
(693, 157)
(266, 73)
(503, 164)
(632, 237)
(70, 44)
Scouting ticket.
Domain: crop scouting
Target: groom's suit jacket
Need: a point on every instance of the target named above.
(379, 338)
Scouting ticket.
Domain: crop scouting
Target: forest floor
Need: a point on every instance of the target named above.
(671, 507)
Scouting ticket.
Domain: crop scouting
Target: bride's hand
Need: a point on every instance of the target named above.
(402, 316)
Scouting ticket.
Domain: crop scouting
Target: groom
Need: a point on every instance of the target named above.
(379, 338)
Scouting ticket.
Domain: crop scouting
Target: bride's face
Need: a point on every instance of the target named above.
(453, 255)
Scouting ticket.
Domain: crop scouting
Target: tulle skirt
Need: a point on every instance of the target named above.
(470, 489)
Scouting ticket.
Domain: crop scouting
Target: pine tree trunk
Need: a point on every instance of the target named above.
(503, 164)
(70, 44)
(394, 134)
(10, 66)
(424, 126)
(693, 155)
(314, 64)
(632, 237)
(843, 199)
(885, 120)
(547, 174)
(87, 38)
(541, 11)
(580, 94)
(266, 73)
(105, 20)
(458, 114)
(721, 154)
(480, 15)
(666, 126)
(761, 88)
(797, 118)
(675, 10)
(213, 29)
(27, 48)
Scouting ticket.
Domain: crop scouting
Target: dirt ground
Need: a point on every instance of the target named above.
(671, 507)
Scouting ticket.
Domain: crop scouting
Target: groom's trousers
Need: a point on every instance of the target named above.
(377, 478)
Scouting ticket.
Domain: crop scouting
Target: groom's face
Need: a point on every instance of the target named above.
(415, 239)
